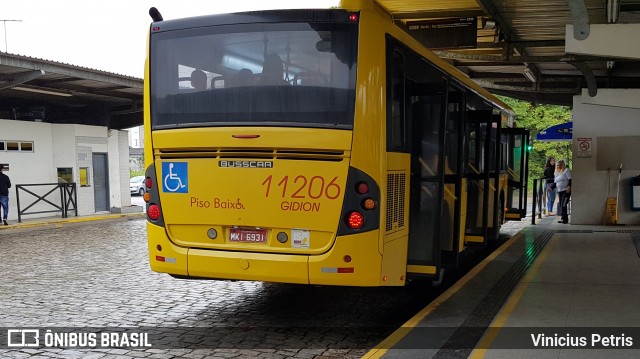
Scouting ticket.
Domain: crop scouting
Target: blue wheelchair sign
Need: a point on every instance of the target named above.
(175, 177)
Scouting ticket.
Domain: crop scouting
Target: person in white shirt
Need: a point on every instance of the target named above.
(562, 182)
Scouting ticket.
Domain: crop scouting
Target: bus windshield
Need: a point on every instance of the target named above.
(299, 74)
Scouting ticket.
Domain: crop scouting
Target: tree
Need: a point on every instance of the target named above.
(536, 118)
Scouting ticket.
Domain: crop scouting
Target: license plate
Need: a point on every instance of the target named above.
(248, 235)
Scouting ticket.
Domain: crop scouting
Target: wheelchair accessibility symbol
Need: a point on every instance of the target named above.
(175, 177)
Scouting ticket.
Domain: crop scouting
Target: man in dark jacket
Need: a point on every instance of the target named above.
(5, 184)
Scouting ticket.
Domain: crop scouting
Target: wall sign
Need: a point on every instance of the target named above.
(84, 176)
(584, 147)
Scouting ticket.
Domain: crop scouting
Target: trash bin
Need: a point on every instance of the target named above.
(634, 183)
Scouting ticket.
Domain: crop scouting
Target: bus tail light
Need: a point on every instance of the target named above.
(153, 212)
(359, 209)
(355, 220)
(152, 197)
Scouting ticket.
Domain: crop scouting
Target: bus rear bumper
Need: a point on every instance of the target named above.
(266, 267)
(331, 268)
(166, 257)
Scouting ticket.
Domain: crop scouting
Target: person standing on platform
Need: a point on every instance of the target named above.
(549, 176)
(5, 184)
(562, 181)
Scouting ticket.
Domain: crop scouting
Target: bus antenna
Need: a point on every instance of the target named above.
(155, 14)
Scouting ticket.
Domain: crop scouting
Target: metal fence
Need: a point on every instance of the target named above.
(66, 192)
(539, 198)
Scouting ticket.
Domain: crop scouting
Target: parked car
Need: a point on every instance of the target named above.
(136, 185)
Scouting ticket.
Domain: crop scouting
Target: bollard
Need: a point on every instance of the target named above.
(540, 196)
(533, 209)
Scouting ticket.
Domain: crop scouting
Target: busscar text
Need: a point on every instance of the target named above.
(245, 164)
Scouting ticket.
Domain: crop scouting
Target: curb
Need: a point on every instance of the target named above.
(62, 221)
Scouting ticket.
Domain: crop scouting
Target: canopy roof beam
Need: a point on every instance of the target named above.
(22, 78)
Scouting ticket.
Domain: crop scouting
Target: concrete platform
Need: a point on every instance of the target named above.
(552, 291)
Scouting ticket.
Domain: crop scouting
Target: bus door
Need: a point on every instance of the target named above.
(518, 172)
(426, 185)
(453, 221)
(496, 193)
(418, 99)
(477, 171)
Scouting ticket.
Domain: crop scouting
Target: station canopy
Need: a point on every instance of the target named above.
(518, 48)
(33, 89)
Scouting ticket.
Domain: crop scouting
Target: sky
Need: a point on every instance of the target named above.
(107, 35)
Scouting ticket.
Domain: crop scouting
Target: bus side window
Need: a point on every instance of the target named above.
(428, 115)
(396, 122)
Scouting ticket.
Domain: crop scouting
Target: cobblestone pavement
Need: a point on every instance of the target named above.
(96, 275)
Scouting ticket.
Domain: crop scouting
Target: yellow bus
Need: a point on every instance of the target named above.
(322, 147)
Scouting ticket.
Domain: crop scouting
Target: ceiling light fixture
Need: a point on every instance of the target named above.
(43, 91)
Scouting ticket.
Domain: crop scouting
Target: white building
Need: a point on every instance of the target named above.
(136, 137)
(606, 134)
(61, 123)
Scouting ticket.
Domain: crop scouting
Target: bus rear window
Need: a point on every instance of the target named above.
(263, 74)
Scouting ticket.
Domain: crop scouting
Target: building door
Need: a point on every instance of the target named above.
(100, 182)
